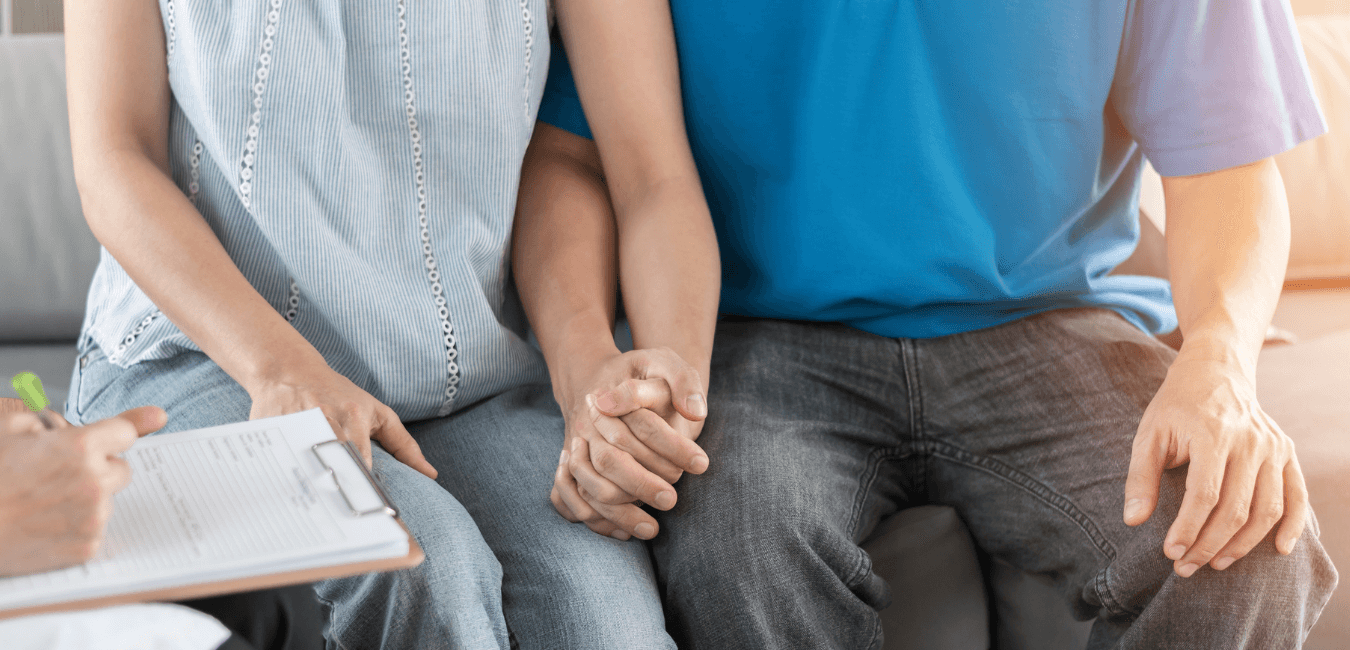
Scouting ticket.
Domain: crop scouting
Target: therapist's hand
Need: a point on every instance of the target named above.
(354, 414)
(57, 486)
(629, 437)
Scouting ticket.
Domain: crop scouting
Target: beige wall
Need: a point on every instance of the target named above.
(1309, 7)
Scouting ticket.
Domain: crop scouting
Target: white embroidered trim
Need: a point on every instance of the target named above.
(529, 49)
(259, 85)
(169, 27)
(433, 275)
(293, 302)
(131, 338)
(195, 174)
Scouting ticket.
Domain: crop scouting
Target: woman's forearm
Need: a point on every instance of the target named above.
(118, 97)
(157, 236)
(563, 256)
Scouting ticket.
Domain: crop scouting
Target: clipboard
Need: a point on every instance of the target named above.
(414, 557)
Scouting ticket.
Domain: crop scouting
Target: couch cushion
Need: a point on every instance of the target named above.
(1303, 387)
(937, 593)
(47, 254)
(1312, 314)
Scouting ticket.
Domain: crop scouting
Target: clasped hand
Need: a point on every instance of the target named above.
(1243, 478)
(630, 433)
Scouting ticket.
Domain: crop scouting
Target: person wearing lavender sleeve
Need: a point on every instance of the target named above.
(918, 208)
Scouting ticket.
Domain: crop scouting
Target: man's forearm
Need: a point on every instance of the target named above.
(1227, 248)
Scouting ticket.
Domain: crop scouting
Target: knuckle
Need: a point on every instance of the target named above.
(1237, 516)
(606, 459)
(1207, 496)
(610, 495)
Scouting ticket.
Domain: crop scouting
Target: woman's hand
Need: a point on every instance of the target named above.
(353, 413)
(630, 431)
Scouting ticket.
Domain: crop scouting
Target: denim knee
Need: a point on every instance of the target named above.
(454, 596)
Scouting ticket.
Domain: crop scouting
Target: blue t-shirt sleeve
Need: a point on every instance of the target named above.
(561, 106)
(1204, 86)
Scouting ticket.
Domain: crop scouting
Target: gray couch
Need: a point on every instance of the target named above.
(946, 595)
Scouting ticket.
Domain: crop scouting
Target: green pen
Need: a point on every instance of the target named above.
(29, 387)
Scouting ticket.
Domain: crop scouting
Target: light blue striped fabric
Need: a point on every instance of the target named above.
(314, 136)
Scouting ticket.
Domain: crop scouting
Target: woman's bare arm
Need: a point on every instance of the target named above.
(117, 84)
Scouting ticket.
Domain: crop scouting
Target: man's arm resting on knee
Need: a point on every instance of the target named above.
(1227, 247)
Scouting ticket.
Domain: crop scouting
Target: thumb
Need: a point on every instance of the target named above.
(398, 442)
(146, 419)
(1148, 459)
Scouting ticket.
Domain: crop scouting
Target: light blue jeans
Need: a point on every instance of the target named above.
(521, 576)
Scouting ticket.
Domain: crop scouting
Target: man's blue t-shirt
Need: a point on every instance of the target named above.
(923, 168)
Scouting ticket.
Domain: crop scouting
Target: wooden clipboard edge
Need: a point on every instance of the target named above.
(233, 586)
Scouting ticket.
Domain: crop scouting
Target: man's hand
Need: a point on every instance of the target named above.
(1243, 476)
(354, 414)
(57, 486)
(629, 436)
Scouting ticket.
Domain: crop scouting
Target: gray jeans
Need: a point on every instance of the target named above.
(817, 432)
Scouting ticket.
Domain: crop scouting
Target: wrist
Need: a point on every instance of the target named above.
(576, 354)
(1221, 351)
(274, 365)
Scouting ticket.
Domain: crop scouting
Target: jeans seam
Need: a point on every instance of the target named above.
(1108, 599)
(1032, 486)
(869, 477)
(909, 362)
(333, 641)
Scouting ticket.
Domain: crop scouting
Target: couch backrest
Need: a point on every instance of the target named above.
(47, 254)
(1316, 173)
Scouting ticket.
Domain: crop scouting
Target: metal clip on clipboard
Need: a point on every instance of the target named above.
(386, 507)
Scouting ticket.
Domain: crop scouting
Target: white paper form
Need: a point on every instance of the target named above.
(212, 504)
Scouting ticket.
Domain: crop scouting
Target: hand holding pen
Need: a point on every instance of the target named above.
(57, 481)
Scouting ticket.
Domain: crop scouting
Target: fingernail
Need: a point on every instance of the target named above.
(1133, 508)
(1187, 569)
(1286, 547)
(1223, 563)
(576, 444)
(665, 500)
(607, 403)
(699, 464)
(620, 535)
(697, 406)
(645, 531)
(1175, 551)
(562, 459)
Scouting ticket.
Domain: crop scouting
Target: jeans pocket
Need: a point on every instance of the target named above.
(91, 376)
